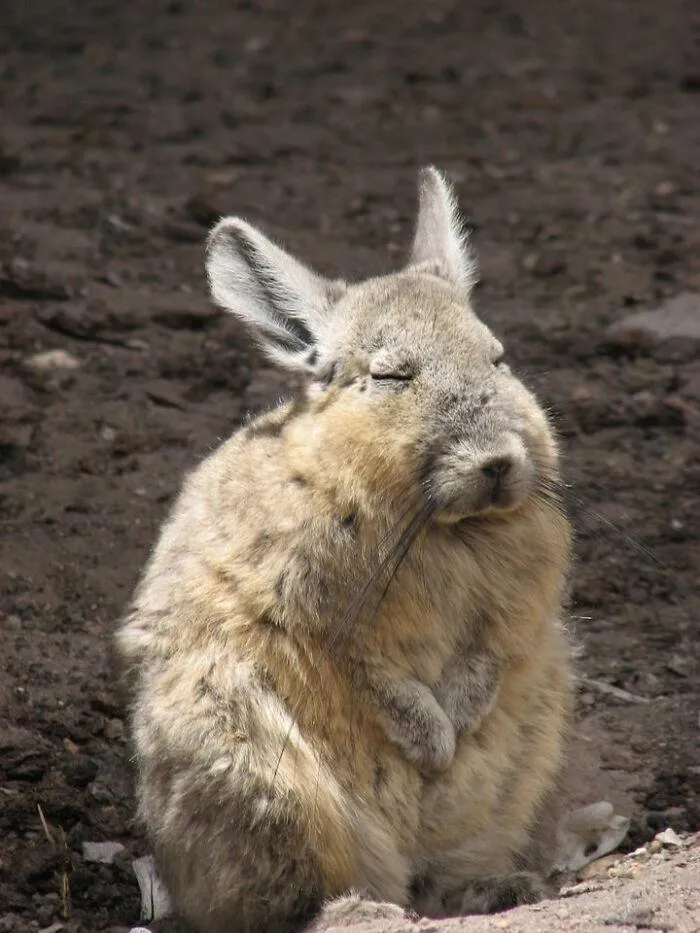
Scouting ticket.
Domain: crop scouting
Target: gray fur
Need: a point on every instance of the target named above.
(468, 689)
(414, 720)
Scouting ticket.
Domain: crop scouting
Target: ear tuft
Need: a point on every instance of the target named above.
(440, 238)
(282, 301)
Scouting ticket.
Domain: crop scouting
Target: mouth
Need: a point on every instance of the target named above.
(498, 486)
(455, 515)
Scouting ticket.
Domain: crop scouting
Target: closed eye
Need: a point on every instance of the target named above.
(392, 377)
(391, 367)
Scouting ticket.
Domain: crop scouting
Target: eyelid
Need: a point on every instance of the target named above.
(397, 376)
(386, 367)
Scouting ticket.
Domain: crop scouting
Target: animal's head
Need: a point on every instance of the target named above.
(408, 390)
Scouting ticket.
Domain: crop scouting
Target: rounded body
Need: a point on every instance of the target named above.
(262, 762)
(345, 660)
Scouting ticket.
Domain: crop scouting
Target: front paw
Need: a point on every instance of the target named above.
(465, 716)
(434, 752)
(354, 908)
(469, 693)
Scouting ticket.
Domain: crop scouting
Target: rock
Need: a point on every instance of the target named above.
(583, 887)
(184, 312)
(113, 278)
(626, 869)
(598, 868)
(70, 321)
(25, 764)
(669, 838)
(55, 927)
(164, 394)
(107, 705)
(681, 665)
(676, 320)
(103, 852)
(641, 852)
(93, 322)
(51, 360)
(80, 770)
(22, 281)
(114, 730)
(9, 923)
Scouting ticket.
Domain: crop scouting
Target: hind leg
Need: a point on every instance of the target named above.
(228, 866)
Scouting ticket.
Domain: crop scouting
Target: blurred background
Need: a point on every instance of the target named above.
(572, 131)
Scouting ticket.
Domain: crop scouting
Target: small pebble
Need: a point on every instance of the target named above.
(640, 852)
(114, 730)
(625, 870)
(103, 852)
(598, 868)
(582, 888)
(669, 837)
(51, 360)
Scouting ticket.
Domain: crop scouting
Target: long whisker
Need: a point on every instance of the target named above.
(394, 556)
(388, 566)
(588, 511)
(550, 493)
(399, 553)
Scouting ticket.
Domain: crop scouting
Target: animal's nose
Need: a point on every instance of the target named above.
(497, 469)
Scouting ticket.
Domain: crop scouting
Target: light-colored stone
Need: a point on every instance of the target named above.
(51, 360)
(598, 868)
(670, 838)
(104, 852)
(678, 317)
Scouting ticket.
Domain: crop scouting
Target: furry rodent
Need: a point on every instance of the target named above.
(345, 659)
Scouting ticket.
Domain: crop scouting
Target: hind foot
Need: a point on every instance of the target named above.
(481, 896)
(355, 908)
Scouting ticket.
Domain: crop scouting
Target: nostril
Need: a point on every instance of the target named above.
(496, 469)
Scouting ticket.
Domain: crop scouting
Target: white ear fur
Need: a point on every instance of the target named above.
(282, 301)
(440, 238)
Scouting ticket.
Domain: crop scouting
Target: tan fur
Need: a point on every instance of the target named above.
(262, 710)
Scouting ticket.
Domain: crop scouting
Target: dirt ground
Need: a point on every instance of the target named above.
(573, 132)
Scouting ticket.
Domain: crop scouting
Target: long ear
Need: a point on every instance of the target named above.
(283, 302)
(440, 239)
